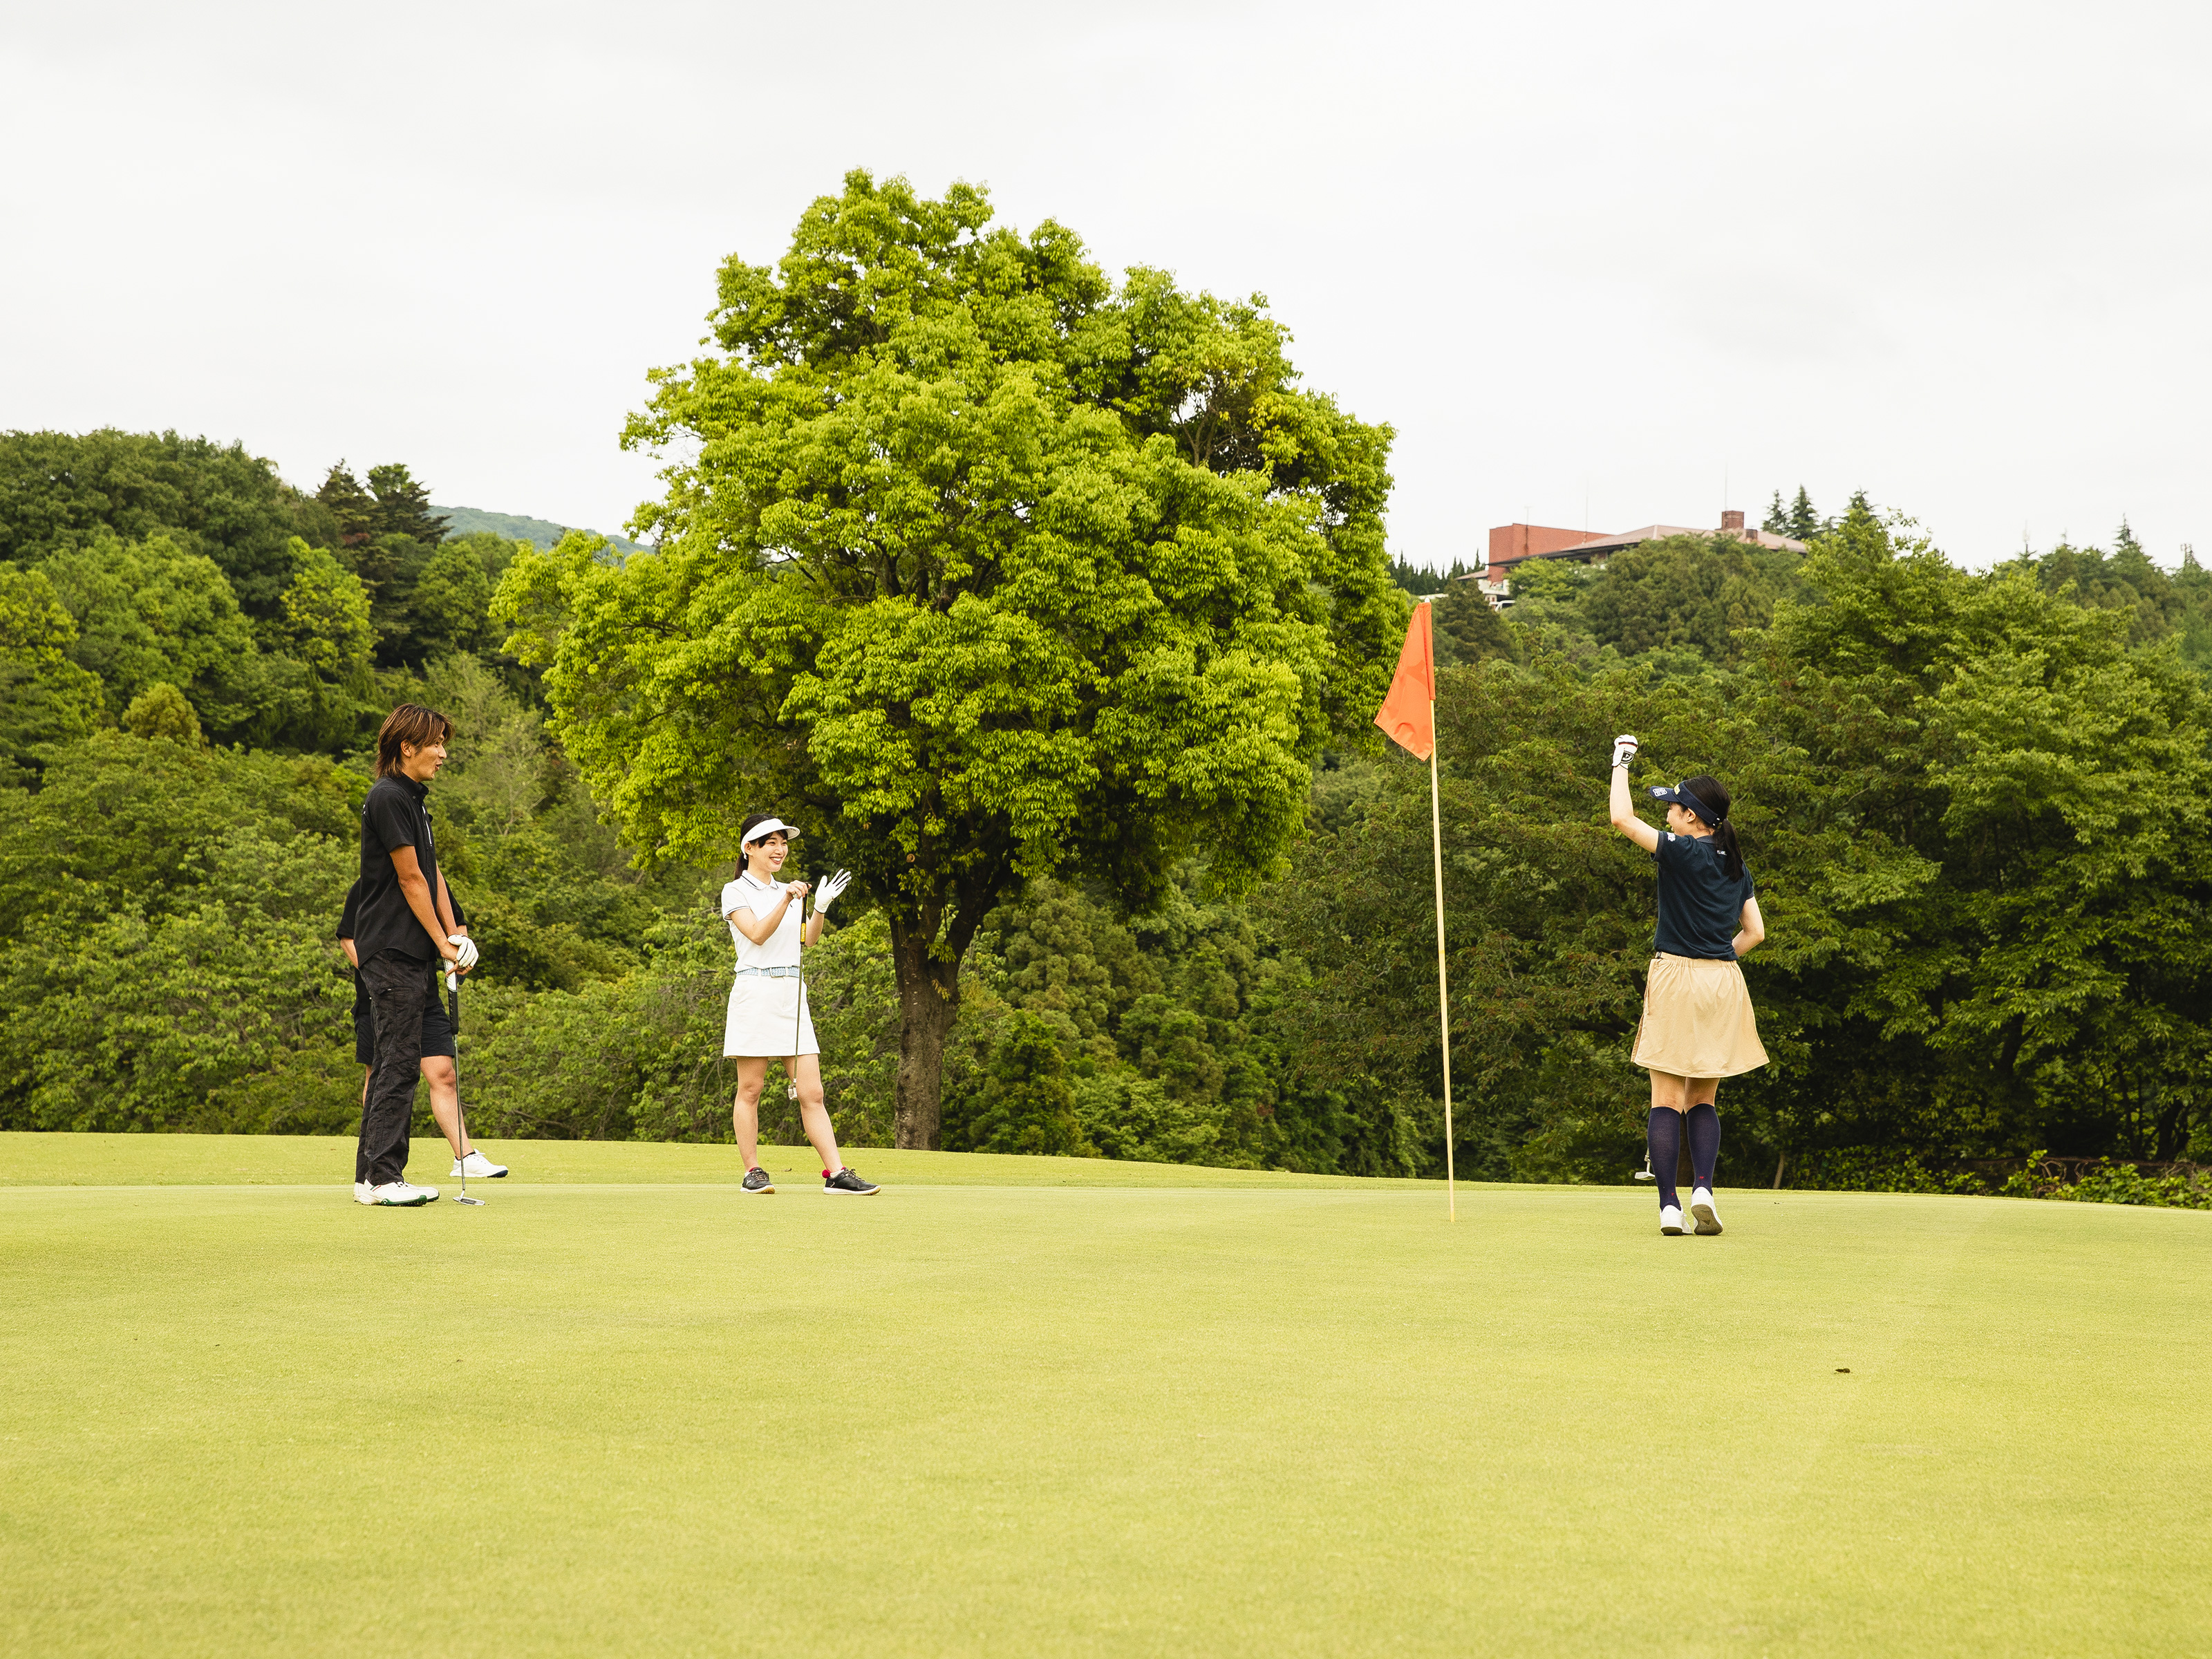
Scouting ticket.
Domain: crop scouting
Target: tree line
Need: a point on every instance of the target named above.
(1057, 606)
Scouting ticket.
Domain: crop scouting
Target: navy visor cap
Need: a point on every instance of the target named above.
(1681, 795)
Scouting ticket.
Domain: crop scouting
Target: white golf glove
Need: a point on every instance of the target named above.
(1624, 749)
(465, 951)
(831, 886)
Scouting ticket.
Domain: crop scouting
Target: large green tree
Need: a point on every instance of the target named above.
(981, 567)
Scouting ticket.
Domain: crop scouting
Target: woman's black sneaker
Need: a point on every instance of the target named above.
(756, 1181)
(845, 1181)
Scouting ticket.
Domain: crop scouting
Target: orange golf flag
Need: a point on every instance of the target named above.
(1409, 713)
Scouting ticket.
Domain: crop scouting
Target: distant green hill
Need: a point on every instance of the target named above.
(466, 520)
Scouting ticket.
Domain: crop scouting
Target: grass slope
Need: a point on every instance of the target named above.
(1144, 1419)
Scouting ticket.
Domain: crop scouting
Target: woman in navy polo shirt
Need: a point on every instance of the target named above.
(1698, 1026)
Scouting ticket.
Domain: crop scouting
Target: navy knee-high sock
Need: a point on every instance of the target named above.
(1704, 1124)
(1663, 1129)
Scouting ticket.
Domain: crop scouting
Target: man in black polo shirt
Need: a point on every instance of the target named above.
(403, 932)
(440, 1053)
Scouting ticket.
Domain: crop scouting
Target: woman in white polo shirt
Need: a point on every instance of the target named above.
(768, 1018)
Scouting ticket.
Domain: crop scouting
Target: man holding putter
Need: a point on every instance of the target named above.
(403, 932)
(439, 1054)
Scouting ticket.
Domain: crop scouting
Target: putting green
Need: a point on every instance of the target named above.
(649, 1415)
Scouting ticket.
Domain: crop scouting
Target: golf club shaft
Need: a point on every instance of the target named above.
(460, 1113)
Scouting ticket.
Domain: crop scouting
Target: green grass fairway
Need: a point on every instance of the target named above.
(622, 1409)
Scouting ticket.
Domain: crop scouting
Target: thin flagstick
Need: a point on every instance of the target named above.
(1443, 994)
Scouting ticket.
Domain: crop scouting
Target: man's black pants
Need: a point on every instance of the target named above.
(395, 986)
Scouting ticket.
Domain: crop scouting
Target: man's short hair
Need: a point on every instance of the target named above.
(411, 724)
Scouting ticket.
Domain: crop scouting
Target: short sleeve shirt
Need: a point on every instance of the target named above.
(1701, 897)
(393, 817)
(781, 950)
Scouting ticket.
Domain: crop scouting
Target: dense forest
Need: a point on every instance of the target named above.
(1975, 803)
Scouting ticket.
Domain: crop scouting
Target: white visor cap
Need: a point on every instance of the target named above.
(762, 831)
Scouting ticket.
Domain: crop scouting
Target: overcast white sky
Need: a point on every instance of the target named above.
(1595, 263)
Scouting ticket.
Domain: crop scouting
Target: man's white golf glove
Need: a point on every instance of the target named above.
(465, 951)
(1624, 749)
(831, 886)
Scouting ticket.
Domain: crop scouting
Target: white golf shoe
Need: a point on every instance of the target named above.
(1671, 1222)
(363, 1193)
(400, 1193)
(476, 1167)
(1701, 1205)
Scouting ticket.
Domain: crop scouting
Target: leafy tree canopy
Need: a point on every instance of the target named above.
(1694, 591)
(403, 506)
(985, 568)
(45, 696)
(149, 612)
(60, 491)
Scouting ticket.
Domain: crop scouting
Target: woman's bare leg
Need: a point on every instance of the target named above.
(1679, 1094)
(805, 1070)
(744, 1111)
(446, 1100)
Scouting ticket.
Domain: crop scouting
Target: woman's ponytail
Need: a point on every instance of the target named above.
(1715, 794)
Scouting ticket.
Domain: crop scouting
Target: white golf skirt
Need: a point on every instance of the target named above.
(766, 1021)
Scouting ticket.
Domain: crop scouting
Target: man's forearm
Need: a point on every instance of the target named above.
(418, 900)
(446, 908)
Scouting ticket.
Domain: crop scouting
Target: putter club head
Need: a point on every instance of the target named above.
(464, 1198)
(1645, 1175)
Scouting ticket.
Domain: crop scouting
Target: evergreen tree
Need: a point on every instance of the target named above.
(389, 567)
(354, 508)
(1418, 578)
(2125, 545)
(1804, 522)
(1467, 628)
(1776, 522)
(403, 506)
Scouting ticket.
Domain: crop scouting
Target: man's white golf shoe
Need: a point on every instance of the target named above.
(476, 1167)
(1671, 1222)
(1701, 1205)
(402, 1193)
(363, 1193)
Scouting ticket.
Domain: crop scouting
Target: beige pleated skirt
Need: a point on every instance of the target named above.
(1698, 1020)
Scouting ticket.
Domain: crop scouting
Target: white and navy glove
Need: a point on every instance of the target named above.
(465, 951)
(831, 886)
(1624, 749)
